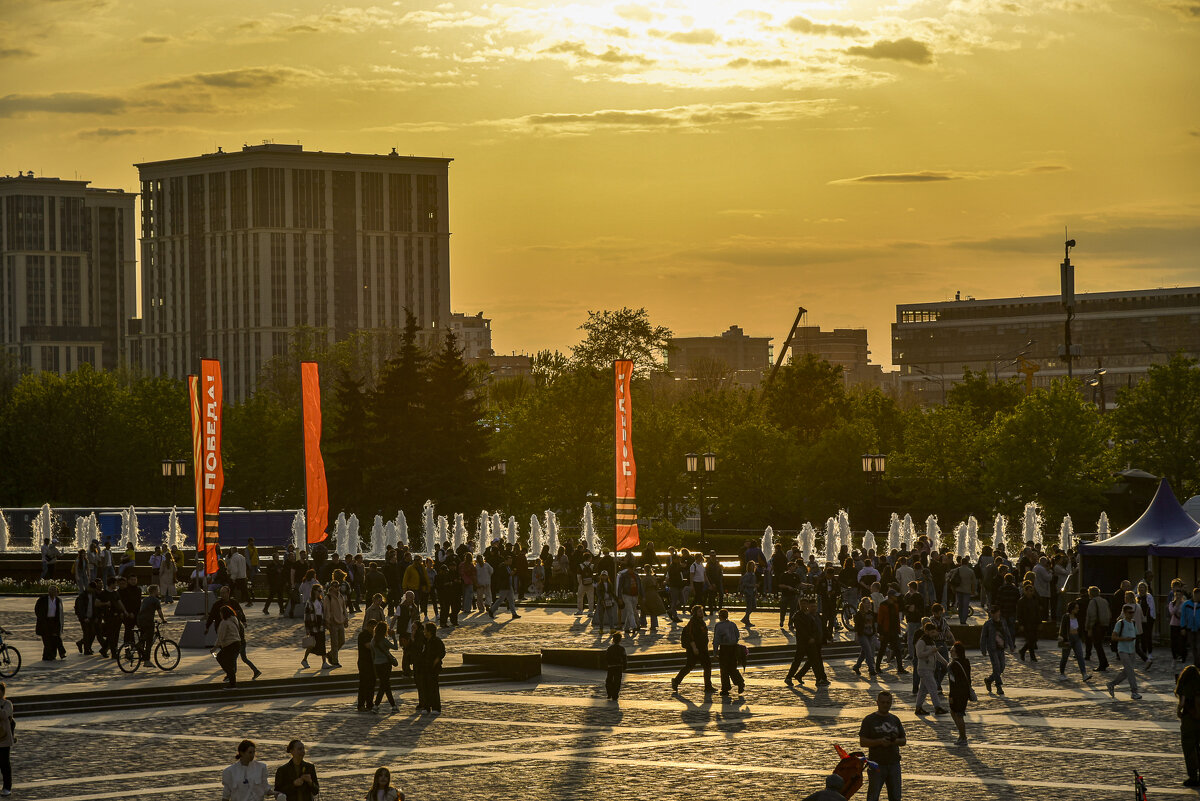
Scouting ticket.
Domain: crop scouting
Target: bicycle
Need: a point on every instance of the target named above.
(165, 653)
(10, 657)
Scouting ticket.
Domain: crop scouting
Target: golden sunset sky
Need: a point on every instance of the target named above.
(718, 161)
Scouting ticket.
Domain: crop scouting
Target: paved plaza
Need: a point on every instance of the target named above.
(559, 738)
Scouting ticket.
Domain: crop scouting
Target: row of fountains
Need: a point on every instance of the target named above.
(544, 532)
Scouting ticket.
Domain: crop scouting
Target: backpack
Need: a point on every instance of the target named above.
(685, 639)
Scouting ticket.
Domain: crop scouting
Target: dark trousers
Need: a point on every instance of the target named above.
(612, 684)
(383, 679)
(52, 646)
(889, 642)
(241, 590)
(1099, 634)
(1189, 734)
(727, 658)
(227, 658)
(429, 693)
(366, 685)
(806, 658)
(694, 659)
(6, 767)
(111, 629)
(88, 634)
(1178, 643)
(1030, 646)
(129, 625)
(451, 605)
(276, 595)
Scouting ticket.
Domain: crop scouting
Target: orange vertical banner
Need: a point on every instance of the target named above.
(197, 458)
(316, 491)
(213, 473)
(626, 497)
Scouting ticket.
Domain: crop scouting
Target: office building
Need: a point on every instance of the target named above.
(1121, 333)
(732, 355)
(67, 272)
(241, 248)
(473, 334)
(844, 347)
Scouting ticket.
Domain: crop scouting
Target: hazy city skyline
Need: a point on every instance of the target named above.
(717, 163)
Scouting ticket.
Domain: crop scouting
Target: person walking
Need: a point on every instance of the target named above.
(503, 579)
(314, 627)
(1178, 639)
(864, 633)
(239, 573)
(928, 656)
(1069, 638)
(882, 734)
(1030, 611)
(336, 617)
(810, 635)
(615, 660)
(960, 689)
(87, 612)
(167, 570)
(694, 639)
(381, 786)
(1189, 623)
(1187, 690)
(994, 640)
(246, 779)
(296, 780)
(1145, 602)
(366, 665)
(1125, 635)
(429, 669)
(1098, 621)
(277, 586)
(83, 570)
(228, 644)
(748, 587)
(888, 622)
(725, 641)
(651, 598)
(963, 582)
(49, 612)
(605, 613)
(382, 661)
(629, 590)
(7, 740)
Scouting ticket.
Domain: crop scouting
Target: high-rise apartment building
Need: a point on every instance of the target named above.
(473, 334)
(1121, 333)
(67, 272)
(239, 249)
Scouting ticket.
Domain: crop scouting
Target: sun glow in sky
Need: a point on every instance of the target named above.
(717, 162)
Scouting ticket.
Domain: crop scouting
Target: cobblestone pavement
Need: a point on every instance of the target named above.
(559, 738)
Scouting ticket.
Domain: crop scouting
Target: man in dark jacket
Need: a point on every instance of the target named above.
(1029, 617)
(694, 639)
(87, 612)
(429, 668)
(810, 635)
(889, 632)
(48, 609)
(277, 590)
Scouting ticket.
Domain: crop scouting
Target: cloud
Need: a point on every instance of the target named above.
(154, 38)
(922, 177)
(1140, 239)
(61, 103)
(15, 52)
(697, 116)
(701, 36)
(108, 133)
(935, 176)
(757, 251)
(757, 214)
(764, 63)
(805, 25)
(906, 49)
(636, 13)
(252, 78)
(610, 56)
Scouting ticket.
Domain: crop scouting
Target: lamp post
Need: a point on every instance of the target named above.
(694, 465)
(1096, 381)
(173, 469)
(501, 467)
(874, 465)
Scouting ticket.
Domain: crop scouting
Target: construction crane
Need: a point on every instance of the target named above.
(1028, 368)
(787, 343)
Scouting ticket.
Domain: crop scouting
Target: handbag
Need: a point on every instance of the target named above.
(309, 641)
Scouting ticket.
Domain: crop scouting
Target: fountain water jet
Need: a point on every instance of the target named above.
(1031, 528)
(1066, 534)
(1102, 528)
(588, 526)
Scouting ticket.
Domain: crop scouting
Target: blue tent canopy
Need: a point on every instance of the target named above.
(1164, 529)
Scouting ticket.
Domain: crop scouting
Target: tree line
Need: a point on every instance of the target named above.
(407, 420)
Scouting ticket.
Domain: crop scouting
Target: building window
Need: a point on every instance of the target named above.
(400, 203)
(308, 198)
(217, 205)
(372, 201)
(175, 207)
(278, 280)
(300, 279)
(427, 203)
(320, 276)
(268, 197)
(72, 223)
(50, 358)
(72, 292)
(86, 355)
(25, 221)
(238, 217)
(35, 290)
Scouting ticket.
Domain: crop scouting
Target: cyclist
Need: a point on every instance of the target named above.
(151, 605)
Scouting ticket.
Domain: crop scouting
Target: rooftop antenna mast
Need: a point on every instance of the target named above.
(1067, 275)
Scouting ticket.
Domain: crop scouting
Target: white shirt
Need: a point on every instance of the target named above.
(697, 572)
(237, 566)
(244, 782)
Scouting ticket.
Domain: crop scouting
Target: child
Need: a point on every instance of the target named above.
(615, 660)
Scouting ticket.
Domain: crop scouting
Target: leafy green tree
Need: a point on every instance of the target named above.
(395, 470)
(807, 397)
(984, 398)
(345, 441)
(1157, 423)
(1052, 448)
(940, 469)
(622, 334)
